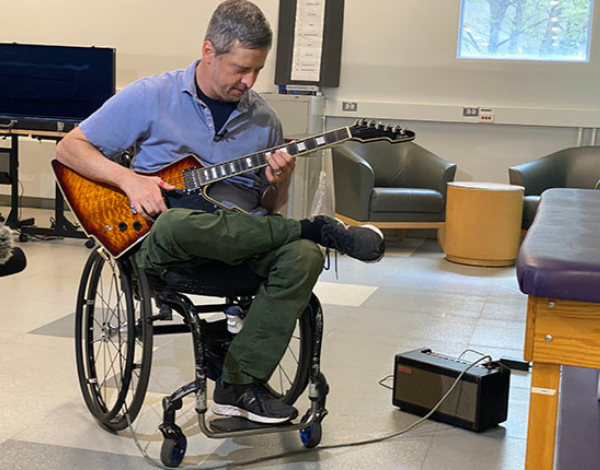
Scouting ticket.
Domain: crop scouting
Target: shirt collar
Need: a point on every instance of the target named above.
(189, 87)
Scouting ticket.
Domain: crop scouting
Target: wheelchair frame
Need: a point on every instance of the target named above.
(95, 328)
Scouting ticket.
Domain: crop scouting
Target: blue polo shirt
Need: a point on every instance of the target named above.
(166, 120)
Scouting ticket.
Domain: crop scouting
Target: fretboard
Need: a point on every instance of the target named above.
(197, 177)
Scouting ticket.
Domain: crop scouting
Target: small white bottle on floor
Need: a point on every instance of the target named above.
(235, 318)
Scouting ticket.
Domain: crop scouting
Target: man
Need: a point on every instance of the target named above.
(210, 110)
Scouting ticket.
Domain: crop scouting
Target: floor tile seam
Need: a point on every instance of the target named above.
(418, 338)
(482, 317)
(39, 302)
(419, 312)
(502, 323)
(34, 337)
(394, 287)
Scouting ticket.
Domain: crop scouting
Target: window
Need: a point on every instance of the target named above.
(557, 30)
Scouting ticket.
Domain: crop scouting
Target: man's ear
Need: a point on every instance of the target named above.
(208, 52)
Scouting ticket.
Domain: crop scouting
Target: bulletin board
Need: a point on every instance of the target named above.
(309, 42)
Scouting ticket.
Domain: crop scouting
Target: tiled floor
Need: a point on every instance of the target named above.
(412, 298)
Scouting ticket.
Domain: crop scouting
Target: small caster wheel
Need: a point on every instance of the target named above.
(90, 243)
(173, 451)
(23, 237)
(311, 436)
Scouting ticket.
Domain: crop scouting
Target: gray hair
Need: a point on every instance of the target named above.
(238, 20)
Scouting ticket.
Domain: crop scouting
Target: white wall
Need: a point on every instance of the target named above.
(398, 63)
(404, 51)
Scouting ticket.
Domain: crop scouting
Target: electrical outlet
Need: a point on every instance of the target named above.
(351, 106)
(486, 115)
(470, 112)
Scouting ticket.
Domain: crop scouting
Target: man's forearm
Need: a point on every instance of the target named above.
(77, 153)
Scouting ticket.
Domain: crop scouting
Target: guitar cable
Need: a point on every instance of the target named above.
(292, 453)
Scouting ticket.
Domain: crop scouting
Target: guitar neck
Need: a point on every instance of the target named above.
(196, 177)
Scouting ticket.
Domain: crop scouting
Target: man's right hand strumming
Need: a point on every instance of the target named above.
(145, 196)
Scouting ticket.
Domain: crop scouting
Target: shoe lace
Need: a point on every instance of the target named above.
(340, 242)
(327, 262)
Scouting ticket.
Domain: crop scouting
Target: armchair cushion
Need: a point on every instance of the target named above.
(530, 204)
(406, 200)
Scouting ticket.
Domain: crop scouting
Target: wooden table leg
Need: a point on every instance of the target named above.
(543, 409)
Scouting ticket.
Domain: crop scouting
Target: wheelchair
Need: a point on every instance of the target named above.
(119, 310)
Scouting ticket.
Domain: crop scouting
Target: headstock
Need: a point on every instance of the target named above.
(365, 130)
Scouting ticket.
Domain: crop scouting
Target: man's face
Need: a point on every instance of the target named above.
(232, 74)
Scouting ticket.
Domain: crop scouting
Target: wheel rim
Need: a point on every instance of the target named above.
(291, 375)
(108, 322)
(113, 370)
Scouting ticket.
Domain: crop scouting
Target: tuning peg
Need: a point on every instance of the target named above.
(379, 125)
(386, 128)
(403, 131)
(362, 122)
(372, 123)
(396, 129)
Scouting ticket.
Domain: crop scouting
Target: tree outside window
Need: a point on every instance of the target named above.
(557, 30)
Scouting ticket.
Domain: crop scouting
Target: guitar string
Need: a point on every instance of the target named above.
(175, 180)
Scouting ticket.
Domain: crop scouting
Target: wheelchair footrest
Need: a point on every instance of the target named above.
(238, 424)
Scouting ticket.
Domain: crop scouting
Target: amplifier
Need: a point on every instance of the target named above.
(478, 402)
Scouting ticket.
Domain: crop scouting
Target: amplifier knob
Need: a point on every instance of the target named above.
(122, 226)
(137, 226)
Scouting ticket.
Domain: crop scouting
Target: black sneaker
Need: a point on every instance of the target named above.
(364, 243)
(253, 402)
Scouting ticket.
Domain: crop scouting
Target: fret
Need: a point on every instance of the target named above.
(310, 145)
(292, 148)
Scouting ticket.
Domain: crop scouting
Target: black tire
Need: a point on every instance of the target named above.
(291, 375)
(172, 451)
(311, 436)
(113, 339)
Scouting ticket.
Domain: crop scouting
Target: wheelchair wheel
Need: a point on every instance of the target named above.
(113, 339)
(291, 375)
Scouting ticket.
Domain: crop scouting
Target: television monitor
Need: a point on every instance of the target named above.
(42, 87)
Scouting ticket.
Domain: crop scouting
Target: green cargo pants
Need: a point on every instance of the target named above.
(272, 247)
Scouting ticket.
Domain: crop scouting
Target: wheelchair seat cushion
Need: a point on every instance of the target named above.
(211, 279)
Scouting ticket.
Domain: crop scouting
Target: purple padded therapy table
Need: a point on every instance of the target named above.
(558, 267)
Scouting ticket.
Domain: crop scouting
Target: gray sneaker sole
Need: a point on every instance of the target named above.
(230, 410)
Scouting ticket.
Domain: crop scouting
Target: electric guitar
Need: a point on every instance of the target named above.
(105, 214)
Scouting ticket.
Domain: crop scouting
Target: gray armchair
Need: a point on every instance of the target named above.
(390, 185)
(577, 167)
